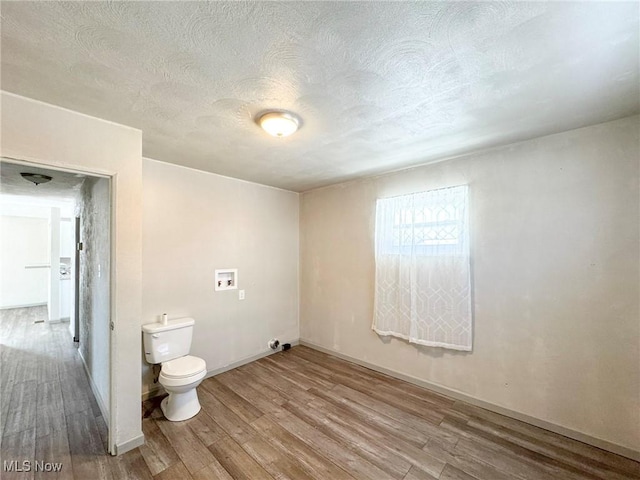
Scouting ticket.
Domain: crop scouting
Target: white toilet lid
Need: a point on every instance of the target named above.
(183, 367)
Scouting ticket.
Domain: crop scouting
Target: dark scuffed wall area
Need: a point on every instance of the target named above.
(94, 211)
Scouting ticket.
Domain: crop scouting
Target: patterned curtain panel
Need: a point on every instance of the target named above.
(423, 281)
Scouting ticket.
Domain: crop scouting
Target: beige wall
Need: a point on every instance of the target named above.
(555, 259)
(44, 134)
(195, 222)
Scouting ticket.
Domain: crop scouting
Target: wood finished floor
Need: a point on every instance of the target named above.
(295, 415)
(47, 409)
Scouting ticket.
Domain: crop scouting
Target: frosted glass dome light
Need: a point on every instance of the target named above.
(279, 124)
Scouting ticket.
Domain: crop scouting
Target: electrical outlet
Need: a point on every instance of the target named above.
(240, 294)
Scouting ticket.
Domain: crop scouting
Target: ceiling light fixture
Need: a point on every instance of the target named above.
(279, 123)
(36, 178)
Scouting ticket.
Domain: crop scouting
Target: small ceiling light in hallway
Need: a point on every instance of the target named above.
(36, 178)
(279, 123)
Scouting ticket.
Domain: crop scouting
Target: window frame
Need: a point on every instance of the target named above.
(438, 249)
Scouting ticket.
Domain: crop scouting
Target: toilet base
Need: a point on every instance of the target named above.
(180, 406)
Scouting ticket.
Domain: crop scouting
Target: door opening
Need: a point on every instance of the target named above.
(84, 276)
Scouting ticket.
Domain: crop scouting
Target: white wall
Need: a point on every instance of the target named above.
(24, 241)
(555, 252)
(44, 134)
(195, 222)
(67, 257)
(54, 260)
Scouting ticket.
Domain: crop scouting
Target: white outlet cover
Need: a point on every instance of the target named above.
(240, 294)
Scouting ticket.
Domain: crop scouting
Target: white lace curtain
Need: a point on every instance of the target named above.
(423, 286)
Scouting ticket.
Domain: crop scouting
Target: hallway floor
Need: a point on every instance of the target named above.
(48, 411)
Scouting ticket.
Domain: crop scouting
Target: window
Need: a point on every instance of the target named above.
(423, 291)
(421, 221)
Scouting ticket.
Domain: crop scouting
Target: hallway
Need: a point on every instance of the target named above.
(48, 410)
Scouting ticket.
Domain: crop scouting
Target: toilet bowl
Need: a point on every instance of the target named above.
(167, 343)
(180, 377)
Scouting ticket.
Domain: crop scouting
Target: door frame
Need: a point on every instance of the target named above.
(76, 281)
(111, 177)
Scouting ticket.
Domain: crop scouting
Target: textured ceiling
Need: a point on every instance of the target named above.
(63, 186)
(379, 86)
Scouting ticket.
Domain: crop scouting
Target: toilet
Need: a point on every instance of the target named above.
(169, 344)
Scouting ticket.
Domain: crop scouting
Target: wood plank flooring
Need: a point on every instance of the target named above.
(302, 414)
(47, 409)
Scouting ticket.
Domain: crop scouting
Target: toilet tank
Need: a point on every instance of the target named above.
(166, 342)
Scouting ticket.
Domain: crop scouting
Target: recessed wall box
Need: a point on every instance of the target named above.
(227, 279)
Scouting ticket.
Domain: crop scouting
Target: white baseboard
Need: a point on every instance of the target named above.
(455, 394)
(103, 408)
(59, 320)
(154, 392)
(26, 305)
(129, 445)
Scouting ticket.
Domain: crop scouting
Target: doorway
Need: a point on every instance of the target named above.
(56, 347)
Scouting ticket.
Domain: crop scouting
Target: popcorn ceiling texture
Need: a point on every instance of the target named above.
(379, 86)
(63, 185)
